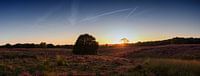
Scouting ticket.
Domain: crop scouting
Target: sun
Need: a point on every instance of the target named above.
(115, 35)
(117, 40)
(120, 40)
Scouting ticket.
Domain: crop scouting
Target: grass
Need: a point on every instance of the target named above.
(166, 67)
(189, 52)
(172, 60)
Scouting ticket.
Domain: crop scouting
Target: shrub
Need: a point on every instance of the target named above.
(85, 45)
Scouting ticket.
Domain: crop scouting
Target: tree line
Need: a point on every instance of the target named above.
(32, 45)
(176, 40)
(85, 45)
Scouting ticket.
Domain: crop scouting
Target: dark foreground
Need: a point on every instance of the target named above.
(167, 60)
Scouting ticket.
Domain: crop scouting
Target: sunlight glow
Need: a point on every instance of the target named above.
(116, 39)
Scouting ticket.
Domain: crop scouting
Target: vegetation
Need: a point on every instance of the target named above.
(32, 45)
(181, 51)
(160, 60)
(165, 67)
(176, 40)
(85, 44)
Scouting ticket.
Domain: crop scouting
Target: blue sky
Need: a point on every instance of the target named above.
(62, 21)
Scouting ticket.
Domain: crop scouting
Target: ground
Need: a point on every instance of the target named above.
(166, 60)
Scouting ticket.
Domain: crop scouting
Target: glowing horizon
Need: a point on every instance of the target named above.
(101, 41)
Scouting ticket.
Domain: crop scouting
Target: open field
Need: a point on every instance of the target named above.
(166, 60)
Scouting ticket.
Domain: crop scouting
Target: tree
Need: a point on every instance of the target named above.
(43, 45)
(124, 40)
(85, 45)
(8, 45)
(50, 46)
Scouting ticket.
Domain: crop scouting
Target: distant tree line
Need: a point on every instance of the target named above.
(176, 40)
(32, 45)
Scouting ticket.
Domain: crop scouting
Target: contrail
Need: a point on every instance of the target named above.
(104, 14)
(74, 12)
(131, 13)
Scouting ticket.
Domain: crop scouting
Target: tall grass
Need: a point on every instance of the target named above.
(166, 67)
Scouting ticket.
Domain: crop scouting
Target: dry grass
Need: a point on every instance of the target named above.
(166, 67)
(184, 51)
(170, 60)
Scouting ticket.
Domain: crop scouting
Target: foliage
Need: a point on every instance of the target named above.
(176, 40)
(85, 44)
(32, 45)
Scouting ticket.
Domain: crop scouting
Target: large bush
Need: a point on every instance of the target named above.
(85, 45)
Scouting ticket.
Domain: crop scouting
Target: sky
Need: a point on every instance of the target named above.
(62, 21)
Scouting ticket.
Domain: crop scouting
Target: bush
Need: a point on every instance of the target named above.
(85, 45)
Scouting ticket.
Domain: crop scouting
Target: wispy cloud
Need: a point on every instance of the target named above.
(131, 12)
(74, 12)
(104, 14)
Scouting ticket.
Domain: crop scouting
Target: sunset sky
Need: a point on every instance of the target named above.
(62, 21)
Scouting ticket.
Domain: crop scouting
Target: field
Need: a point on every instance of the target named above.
(165, 60)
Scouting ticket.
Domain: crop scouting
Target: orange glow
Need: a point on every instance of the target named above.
(110, 38)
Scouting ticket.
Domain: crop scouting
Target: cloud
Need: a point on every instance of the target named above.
(131, 12)
(104, 14)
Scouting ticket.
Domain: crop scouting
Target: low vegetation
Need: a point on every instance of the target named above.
(176, 40)
(184, 51)
(165, 67)
(163, 60)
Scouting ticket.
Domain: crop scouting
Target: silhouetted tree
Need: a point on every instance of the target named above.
(50, 46)
(85, 45)
(124, 40)
(43, 45)
(8, 45)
